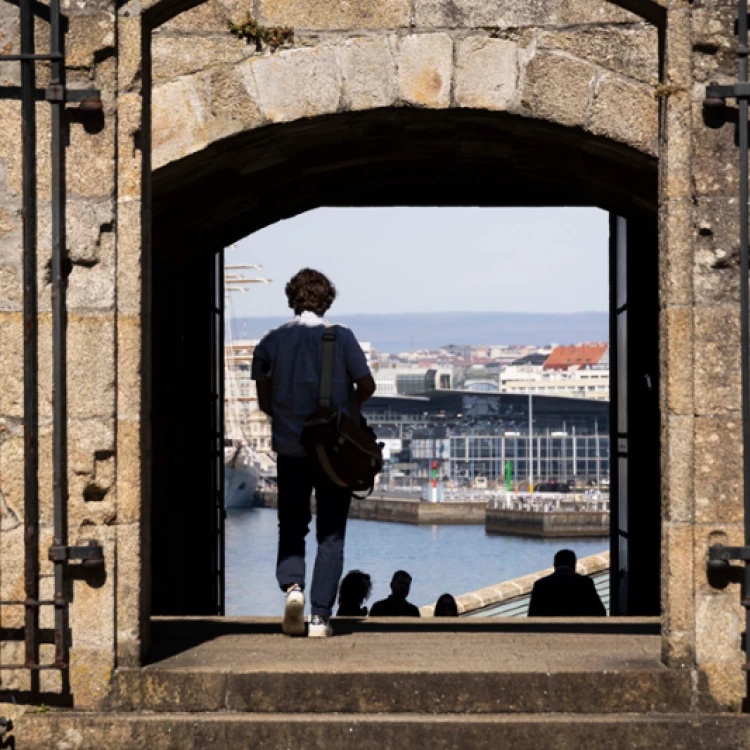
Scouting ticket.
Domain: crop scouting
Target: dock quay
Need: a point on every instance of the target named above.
(404, 509)
(548, 515)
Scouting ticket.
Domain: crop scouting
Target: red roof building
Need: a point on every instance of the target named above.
(578, 356)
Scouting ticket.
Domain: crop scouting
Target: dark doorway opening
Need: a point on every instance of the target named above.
(389, 157)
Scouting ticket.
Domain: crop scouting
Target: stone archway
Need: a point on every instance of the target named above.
(541, 112)
(110, 202)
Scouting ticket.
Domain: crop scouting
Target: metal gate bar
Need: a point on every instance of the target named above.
(59, 553)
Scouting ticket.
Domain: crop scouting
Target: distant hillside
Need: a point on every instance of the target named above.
(403, 331)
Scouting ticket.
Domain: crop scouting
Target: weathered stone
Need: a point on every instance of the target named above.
(677, 469)
(714, 50)
(175, 137)
(298, 83)
(129, 257)
(676, 235)
(91, 368)
(718, 469)
(473, 13)
(130, 615)
(178, 56)
(677, 577)
(332, 14)
(558, 88)
(676, 149)
(714, 156)
(486, 73)
(716, 271)
(129, 506)
(677, 359)
(594, 11)
(425, 67)
(89, 36)
(724, 682)
(625, 112)
(718, 612)
(629, 50)
(717, 360)
(368, 67)
(233, 100)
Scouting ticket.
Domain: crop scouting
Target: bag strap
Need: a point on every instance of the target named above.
(326, 368)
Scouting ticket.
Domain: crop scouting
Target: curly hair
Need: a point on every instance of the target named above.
(310, 290)
(355, 587)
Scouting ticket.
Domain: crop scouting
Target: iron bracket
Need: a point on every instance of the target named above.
(91, 553)
(719, 556)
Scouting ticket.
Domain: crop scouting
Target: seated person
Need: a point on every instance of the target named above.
(396, 605)
(565, 593)
(446, 606)
(354, 591)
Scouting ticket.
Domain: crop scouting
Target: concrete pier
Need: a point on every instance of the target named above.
(400, 509)
(547, 524)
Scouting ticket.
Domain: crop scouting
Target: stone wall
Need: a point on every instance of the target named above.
(590, 67)
(582, 64)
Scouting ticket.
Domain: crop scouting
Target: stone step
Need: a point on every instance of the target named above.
(657, 690)
(231, 731)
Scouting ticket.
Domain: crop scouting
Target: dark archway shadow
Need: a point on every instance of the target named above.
(388, 157)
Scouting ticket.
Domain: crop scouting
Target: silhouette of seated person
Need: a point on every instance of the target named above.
(396, 605)
(565, 593)
(446, 606)
(354, 591)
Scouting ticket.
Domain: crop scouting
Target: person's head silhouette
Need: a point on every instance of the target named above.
(355, 588)
(565, 558)
(446, 606)
(400, 585)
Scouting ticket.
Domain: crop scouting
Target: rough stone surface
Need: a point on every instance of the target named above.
(486, 73)
(298, 83)
(425, 69)
(473, 13)
(558, 88)
(629, 50)
(717, 360)
(625, 112)
(368, 67)
(328, 14)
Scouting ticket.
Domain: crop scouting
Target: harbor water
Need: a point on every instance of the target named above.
(454, 559)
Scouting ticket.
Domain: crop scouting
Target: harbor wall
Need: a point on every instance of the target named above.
(403, 510)
(541, 524)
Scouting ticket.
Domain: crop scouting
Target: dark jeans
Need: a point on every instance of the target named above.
(296, 479)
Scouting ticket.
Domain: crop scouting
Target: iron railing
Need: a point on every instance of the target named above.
(60, 553)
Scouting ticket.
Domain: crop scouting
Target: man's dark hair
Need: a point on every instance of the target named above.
(401, 574)
(310, 290)
(565, 557)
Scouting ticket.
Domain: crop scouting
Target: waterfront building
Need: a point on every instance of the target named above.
(473, 439)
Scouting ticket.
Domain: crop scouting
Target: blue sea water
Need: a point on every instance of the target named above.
(454, 559)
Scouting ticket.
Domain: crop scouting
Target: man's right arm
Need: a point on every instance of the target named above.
(365, 388)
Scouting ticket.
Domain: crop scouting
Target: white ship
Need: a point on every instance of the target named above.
(241, 474)
(242, 471)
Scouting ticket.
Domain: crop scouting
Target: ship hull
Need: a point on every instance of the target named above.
(240, 485)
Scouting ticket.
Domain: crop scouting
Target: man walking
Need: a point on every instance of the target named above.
(286, 367)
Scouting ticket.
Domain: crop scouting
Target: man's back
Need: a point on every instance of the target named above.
(291, 356)
(392, 607)
(565, 593)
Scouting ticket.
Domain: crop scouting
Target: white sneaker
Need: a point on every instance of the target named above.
(294, 612)
(320, 627)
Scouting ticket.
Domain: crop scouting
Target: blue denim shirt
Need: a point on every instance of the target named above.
(290, 356)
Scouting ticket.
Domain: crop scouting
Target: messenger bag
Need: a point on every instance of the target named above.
(344, 451)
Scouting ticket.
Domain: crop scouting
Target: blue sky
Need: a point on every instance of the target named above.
(392, 260)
